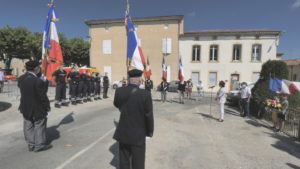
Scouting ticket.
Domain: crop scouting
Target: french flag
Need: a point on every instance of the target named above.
(283, 86)
(180, 73)
(164, 69)
(51, 49)
(147, 71)
(134, 51)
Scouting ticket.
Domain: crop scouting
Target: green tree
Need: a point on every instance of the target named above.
(79, 51)
(36, 40)
(14, 43)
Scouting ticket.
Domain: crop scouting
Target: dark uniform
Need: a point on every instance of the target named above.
(92, 86)
(82, 89)
(60, 93)
(74, 85)
(34, 106)
(149, 85)
(181, 90)
(97, 87)
(87, 86)
(164, 86)
(136, 122)
(105, 86)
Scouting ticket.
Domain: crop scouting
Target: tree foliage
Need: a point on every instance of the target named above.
(19, 42)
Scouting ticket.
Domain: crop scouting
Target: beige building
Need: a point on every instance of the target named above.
(17, 66)
(229, 55)
(294, 69)
(156, 34)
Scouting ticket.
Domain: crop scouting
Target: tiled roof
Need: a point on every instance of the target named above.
(233, 32)
(139, 19)
(292, 62)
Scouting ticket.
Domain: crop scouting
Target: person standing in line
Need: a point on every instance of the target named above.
(181, 90)
(60, 76)
(221, 99)
(1, 80)
(189, 86)
(74, 79)
(200, 88)
(136, 122)
(124, 82)
(164, 86)
(82, 87)
(92, 88)
(34, 106)
(149, 84)
(97, 87)
(105, 85)
(245, 96)
(88, 86)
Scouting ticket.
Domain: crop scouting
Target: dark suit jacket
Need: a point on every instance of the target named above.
(105, 82)
(34, 102)
(136, 119)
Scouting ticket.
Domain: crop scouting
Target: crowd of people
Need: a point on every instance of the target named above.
(83, 87)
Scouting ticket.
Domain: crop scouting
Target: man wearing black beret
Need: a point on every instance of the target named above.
(34, 106)
(136, 121)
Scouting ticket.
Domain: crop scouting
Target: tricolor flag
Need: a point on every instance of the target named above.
(164, 69)
(52, 54)
(180, 72)
(283, 86)
(147, 71)
(134, 51)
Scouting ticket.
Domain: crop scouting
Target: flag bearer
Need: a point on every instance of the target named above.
(149, 84)
(164, 86)
(60, 81)
(74, 78)
(97, 87)
(136, 122)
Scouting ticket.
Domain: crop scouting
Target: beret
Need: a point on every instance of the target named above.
(135, 73)
(32, 64)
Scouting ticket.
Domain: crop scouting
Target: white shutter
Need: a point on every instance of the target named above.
(167, 45)
(106, 46)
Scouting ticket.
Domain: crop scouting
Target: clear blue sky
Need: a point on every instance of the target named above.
(199, 15)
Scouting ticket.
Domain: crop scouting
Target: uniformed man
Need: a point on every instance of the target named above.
(164, 86)
(82, 88)
(181, 90)
(93, 83)
(87, 86)
(34, 106)
(61, 86)
(74, 79)
(105, 85)
(136, 122)
(97, 87)
(149, 84)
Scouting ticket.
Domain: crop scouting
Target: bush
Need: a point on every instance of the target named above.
(261, 92)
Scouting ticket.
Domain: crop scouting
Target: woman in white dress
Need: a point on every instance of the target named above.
(221, 99)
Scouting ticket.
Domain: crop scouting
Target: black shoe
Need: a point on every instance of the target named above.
(65, 104)
(99, 98)
(44, 148)
(57, 105)
(95, 98)
(74, 103)
(89, 100)
(84, 100)
(30, 149)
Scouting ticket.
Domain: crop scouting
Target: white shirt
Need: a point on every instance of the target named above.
(221, 95)
(1, 75)
(245, 93)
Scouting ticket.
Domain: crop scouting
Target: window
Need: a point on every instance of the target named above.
(195, 78)
(295, 77)
(196, 53)
(107, 47)
(166, 45)
(237, 51)
(213, 53)
(256, 52)
(212, 79)
(255, 77)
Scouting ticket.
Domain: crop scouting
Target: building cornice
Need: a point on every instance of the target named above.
(139, 19)
(257, 32)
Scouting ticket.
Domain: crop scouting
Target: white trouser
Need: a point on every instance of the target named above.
(221, 106)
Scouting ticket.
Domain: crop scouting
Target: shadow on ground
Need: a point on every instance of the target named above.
(4, 106)
(286, 144)
(53, 132)
(114, 149)
(207, 116)
(293, 166)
